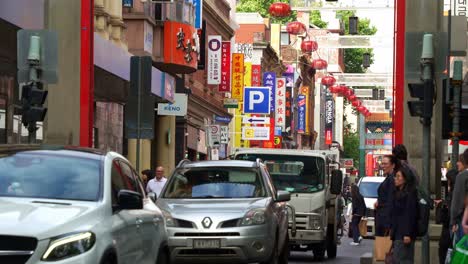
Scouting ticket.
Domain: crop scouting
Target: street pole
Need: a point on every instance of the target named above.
(362, 146)
(456, 83)
(34, 60)
(427, 61)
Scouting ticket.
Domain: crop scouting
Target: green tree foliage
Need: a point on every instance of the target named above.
(351, 147)
(353, 57)
(262, 6)
(316, 19)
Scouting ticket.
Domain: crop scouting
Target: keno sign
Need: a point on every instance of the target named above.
(214, 59)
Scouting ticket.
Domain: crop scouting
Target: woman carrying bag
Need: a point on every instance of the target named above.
(404, 218)
(359, 210)
(383, 206)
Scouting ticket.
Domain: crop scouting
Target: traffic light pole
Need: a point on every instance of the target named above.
(456, 84)
(33, 76)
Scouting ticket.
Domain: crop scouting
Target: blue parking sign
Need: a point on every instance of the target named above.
(257, 100)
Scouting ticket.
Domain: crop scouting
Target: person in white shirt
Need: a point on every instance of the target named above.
(156, 184)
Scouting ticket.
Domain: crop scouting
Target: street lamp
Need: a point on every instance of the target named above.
(353, 25)
(366, 60)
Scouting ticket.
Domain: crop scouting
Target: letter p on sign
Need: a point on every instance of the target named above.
(257, 100)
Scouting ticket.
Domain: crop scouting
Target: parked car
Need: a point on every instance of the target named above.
(225, 211)
(72, 205)
(368, 187)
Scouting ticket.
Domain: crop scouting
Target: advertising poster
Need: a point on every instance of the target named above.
(329, 121)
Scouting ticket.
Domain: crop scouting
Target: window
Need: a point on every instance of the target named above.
(122, 179)
(284, 38)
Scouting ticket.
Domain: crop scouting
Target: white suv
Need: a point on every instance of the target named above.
(70, 205)
(368, 188)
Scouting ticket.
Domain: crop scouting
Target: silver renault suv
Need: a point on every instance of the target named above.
(218, 211)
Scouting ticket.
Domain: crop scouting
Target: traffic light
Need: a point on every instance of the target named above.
(33, 97)
(425, 93)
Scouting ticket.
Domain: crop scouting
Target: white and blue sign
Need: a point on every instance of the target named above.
(198, 4)
(127, 3)
(222, 119)
(301, 113)
(269, 80)
(257, 100)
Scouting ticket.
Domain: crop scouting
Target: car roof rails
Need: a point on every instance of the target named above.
(183, 162)
(259, 161)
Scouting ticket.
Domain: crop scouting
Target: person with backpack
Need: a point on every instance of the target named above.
(457, 207)
(404, 216)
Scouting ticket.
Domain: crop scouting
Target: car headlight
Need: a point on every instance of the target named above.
(69, 246)
(254, 217)
(170, 222)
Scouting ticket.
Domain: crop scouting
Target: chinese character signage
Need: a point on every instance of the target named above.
(237, 76)
(301, 113)
(225, 85)
(182, 45)
(247, 74)
(329, 121)
(256, 75)
(214, 59)
(280, 114)
(269, 80)
(288, 112)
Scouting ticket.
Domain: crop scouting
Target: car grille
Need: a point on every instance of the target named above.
(206, 234)
(230, 223)
(15, 249)
(216, 251)
(184, 224)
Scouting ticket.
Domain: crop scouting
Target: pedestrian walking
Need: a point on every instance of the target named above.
(146, 176)
(457, 207)
(445, 241)
(383, 206)
(400, 152)
(404, 217)
(157, 184)
(359, 211)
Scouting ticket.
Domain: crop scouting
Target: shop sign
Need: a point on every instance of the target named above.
(280, 114)
(347, 163)
(301, 117)
(127, 3)
(237, 76)
(222, 119)
(224, 135)
(289, 86)
(181, 44)
(225, 85)
(256, 75)
(198, 5)
(247, 74)
(148, 35)
(168, 82)
(269, 80)
(256, 133)
(178, 108)
(214, 59)
(231, 103)
(329, 121)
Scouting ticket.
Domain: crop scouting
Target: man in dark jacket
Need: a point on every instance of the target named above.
(359, 211)
(383, 206)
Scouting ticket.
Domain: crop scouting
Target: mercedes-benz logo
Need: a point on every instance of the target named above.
(207, 222)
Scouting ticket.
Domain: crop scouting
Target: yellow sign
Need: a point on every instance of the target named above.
(249, 133)
(238, 76)
(277, 140)
(248, 74)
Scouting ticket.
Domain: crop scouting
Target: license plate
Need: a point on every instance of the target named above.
(206, 243)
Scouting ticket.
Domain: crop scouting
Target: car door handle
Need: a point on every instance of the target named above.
(139, 222)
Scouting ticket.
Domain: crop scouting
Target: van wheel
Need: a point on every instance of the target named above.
(163, 257)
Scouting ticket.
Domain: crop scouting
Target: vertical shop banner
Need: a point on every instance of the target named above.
(269, 80)
(237, 76)
(301, 113)
(214, 59)
(329, 121)
(280, 114)
(225, 86)
(305, 91)
(247, 74)
(288, 110)
(198, 5)
(256, 75)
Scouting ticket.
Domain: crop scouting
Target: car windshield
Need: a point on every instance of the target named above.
(292, 173)
(46, 176)
(369, 189)
(215, 182)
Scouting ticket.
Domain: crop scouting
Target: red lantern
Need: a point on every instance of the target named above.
(356, 103)
(352, 98)
(296, 28)
(309, 46)
(335, 89)
(348, 93)
(319, 64)
(328, 80)
(367, 114)
(361, 108)
(280, 9)
(342, 88)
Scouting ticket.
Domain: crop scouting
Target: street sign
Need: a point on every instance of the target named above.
(222, 119)
(178, 108)
(224, 136)
(257, 100)
(231, 103)
(255, 120)
(214, 135)
(256, 133)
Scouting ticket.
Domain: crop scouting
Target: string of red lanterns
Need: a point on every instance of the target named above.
(348, 93)
(280, 9)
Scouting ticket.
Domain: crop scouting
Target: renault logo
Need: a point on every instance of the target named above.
(207, 222)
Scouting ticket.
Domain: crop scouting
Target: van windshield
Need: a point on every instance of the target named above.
(292, 173)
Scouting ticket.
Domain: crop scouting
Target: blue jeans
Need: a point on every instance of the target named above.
(355, 226)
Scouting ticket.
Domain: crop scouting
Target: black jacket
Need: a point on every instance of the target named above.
(385, 202)
(359, 206)
(404, 214)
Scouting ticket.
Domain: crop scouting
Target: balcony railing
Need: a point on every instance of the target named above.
(179, 11)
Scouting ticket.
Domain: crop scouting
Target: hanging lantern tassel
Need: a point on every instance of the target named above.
(280, 9)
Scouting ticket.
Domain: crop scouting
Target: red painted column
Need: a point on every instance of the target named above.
(399, 71)
(87, 73)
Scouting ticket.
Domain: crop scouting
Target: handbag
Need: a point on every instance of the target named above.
(389, 256)
(363, 227)
(460, 252)
(382, 246)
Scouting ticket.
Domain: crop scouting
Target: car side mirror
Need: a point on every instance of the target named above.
(152, 196)
(336, 182)
(129, 200)
(283, 196)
